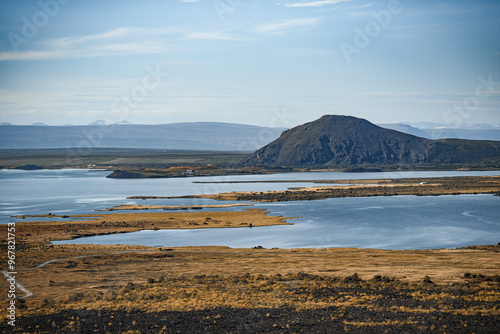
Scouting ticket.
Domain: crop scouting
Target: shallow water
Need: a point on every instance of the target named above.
(400, 222)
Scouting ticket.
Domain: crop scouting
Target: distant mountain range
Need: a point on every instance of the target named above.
(103, 122)
(197, 135)
(440, 131)
(186, 136)
(345, 140)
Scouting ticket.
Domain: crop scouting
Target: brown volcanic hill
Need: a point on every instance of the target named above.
(346, 140)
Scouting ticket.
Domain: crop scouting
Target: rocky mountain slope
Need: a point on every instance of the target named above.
(346, 140)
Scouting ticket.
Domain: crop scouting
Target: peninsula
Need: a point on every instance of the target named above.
(364, 188)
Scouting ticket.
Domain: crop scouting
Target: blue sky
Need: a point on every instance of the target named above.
(269, 63)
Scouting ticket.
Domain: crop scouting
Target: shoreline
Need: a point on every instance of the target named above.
(179, 171)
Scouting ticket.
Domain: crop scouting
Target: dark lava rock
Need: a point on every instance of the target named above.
(258, 320)
(362, 170)
(29, 167)
(123, 174)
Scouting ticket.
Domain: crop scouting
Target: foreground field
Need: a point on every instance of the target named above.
(221, 290)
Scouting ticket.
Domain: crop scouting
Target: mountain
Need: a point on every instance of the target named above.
(406, 129)
(464, 126)
(103, 122)
(99, 122)
(345, 140)
(124, 122)
(473, 132)
(185, 136)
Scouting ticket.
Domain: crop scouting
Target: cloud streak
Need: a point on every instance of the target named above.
(315, 3)
(119, 41)
(32, 55)
(212, 35)
(118, 33)
(115, 49)
(286, 26)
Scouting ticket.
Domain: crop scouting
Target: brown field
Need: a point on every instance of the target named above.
(397, 289)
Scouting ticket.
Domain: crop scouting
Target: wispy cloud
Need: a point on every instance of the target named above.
(319, 3)
(285, 26)
(114, 49)
(116, 33)
(119, 41)
(362, 6)
(122, 32)
(144, 47)
(304, 52)
(32, 55)
(190, 1)
(212, 35)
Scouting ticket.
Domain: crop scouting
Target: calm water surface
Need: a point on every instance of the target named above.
(400, 222)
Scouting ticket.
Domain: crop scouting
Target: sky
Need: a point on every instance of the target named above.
(268, 63)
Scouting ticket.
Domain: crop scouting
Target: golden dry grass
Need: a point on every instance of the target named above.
(115, 266)
(37, 232)
(171, 207)
(132, 278)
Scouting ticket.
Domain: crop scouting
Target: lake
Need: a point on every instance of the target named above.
(399, 222)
